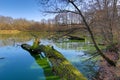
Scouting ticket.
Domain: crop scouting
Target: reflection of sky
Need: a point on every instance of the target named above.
(17, 64)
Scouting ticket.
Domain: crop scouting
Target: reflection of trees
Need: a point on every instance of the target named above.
(12, 39)
(44, 63)
(7, 42)
(71, 45)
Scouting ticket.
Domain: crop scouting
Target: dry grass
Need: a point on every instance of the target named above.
(9, 31)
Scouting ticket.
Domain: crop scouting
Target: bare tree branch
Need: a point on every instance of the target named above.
(92, 37)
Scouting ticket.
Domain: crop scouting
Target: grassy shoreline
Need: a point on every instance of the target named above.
(9, 31)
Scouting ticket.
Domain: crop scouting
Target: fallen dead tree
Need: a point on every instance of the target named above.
(60, 65)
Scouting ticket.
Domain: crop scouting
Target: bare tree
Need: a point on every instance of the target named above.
(78, 7)
(106, 18)
(8, 23)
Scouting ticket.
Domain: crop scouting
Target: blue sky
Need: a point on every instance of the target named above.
(21, 9)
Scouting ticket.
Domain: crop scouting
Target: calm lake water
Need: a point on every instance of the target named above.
(18, 64)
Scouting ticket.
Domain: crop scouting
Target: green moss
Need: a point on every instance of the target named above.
(62, 66)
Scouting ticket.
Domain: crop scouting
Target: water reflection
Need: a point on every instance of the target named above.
(71, 50)
(71, 45)
(22, 37)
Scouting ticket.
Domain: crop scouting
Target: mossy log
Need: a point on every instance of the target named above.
(60, 65)
(30, 49)
(42, 62)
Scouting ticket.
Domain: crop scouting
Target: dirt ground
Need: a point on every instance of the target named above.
(106, 71)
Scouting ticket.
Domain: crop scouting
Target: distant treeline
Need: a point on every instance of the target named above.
(8, 23)
(59, 23)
